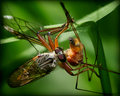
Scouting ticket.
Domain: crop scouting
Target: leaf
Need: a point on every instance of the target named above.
(93, 32)
(99, 13)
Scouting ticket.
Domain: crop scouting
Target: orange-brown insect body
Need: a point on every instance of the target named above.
(74, 55)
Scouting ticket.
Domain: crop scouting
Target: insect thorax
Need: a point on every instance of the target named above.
(46, 62)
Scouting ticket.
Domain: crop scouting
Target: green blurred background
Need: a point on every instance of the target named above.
(59, 82)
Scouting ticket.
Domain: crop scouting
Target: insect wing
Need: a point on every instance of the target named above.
(21, 28)
(30, 71)
(21, 25)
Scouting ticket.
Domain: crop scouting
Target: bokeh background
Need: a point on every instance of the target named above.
(58, 82)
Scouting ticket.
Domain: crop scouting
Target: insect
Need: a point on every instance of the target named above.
(44, 63)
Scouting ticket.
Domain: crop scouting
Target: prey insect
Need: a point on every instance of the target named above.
(44, 63)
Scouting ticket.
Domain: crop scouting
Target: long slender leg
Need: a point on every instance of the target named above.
(50, 40)
(94, 62)
(51, 43)
(53, 30)
(75, 31)
(70, 20)
(93, 68)
(77, 80)
(100, 68)
(86, 62)
(96, 55)
(56, 30)
(69, 69)
(76, 85)
(43, 41)
(87, 70)
(56, 39)
(49, 29)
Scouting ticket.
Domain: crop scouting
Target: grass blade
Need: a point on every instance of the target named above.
(98, 47)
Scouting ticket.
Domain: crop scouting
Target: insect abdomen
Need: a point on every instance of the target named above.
(31, 70)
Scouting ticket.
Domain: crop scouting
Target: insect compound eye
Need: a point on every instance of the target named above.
(60, 54)
(72, 41)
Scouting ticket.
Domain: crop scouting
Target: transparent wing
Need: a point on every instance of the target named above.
(22, 29)
(22, 26)
(30, 71)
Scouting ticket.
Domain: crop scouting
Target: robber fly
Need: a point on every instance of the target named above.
(44, 63)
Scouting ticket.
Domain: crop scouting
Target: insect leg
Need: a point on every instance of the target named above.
(51, 46)
(87, 70)
(95, 60)
(69, 69)
(70, 20)
(93, 68)
(56, 38)
(57, 29)
(76, 86)
(77, 80)
(52, 30)
(75, 31)
(43, 41)
(51, 43)
(86, 62)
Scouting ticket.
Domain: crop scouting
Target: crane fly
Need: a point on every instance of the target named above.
(42, 64)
